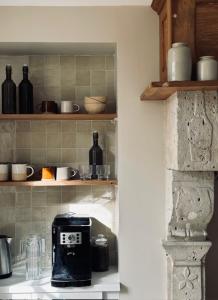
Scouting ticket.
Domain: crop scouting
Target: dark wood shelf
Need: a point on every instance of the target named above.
(163, 90)
(60, 183)
(78, 117)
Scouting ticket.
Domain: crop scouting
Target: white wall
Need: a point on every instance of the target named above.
(140, 133)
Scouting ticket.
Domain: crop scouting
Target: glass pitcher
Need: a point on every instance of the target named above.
(33, 250)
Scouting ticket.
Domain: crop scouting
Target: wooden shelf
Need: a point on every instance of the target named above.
(163, 90)
(78, 117)
(60, 183)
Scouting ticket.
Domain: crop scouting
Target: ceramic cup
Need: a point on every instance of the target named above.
(4, 172)
(48, 173)
(68, 107)
(65, 173)
(19, 172)
(48, 107)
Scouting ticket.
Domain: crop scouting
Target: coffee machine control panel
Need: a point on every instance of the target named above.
(71, 238)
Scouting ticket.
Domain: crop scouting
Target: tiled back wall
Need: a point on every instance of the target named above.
(56, 143)
(32, 210)
(61, 77)
(40, 143)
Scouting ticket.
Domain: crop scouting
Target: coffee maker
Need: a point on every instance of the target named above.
(71, 250)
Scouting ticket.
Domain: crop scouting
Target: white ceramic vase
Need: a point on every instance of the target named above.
(179, 64)
(207, 68)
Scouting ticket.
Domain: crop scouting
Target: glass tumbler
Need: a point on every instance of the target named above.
(85, 172)
(32, 249)
(103, 172)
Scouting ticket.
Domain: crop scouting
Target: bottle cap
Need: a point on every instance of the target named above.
(95, 134)
(25, 67)
(8, 70)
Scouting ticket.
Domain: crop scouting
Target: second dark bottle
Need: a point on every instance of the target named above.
(25, 93)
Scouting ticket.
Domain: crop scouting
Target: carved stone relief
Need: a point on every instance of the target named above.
(186, 269)
(190, 198)
(187, 279)
(192, 131)
(200, 132)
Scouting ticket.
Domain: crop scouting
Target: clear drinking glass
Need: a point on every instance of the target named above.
(103, 172)
(100, 172)
(85, 172)
(107, 171)
(33, 249)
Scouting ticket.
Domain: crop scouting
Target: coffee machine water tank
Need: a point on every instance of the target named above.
(71, 250)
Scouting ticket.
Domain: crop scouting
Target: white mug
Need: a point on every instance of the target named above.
(4, 172)
(19, 172)
(68, 107)
(65, 173)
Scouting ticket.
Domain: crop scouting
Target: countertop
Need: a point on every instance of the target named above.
(101, 282)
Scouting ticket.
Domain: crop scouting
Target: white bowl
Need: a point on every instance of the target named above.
(95, 99)
(94, 108)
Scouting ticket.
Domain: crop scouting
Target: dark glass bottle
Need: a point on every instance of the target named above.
(8, 93)
(95, 155)
(25, 93)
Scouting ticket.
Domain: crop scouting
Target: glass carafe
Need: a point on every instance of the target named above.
(33, 249)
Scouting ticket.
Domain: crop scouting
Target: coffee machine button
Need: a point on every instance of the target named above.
(71, 238)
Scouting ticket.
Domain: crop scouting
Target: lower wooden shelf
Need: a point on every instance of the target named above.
(75, 116)
(60, 183)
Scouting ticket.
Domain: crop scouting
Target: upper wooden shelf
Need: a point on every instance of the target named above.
(163, 90)
(58, 117)
(60, 183)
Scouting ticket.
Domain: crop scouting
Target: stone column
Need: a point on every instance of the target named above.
(192, 157)
(186, 269)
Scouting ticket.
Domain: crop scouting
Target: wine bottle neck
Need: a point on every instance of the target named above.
(95, 138)
(25, 72)
(95, 142)
(25, 76)
(8, 74)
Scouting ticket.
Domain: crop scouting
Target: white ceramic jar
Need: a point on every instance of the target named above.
(179, 64)
(207, 68)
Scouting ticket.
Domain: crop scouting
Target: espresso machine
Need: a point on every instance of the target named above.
(71, 250)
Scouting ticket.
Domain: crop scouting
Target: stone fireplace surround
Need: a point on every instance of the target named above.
(192, 159)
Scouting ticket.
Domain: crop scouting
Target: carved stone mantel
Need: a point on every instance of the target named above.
(192, 131)
(190, 204)
(192, 158)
